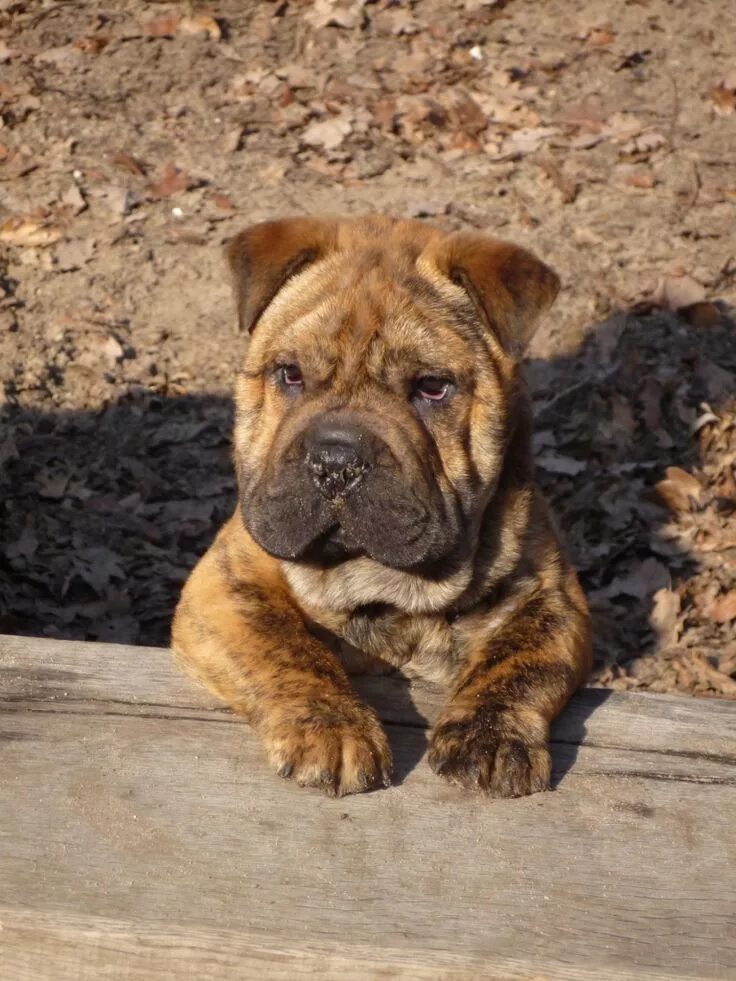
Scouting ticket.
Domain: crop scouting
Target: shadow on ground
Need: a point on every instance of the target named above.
(104, 514)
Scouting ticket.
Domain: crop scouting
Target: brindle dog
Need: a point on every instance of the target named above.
(387, 507)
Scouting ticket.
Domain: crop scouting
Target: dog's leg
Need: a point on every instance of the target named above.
(237, 630)
(493, 732)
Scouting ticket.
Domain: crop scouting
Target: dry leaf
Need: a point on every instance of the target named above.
(200, 24)
(126, 161)
(680, 490)
(600, 37)
(298, 76)
(723, 609)
(223, 202)
(644, 181)
(702, 314)
(565, 183)
(6, 53)
(644, 581)
(173, 181)
(557, 463)
(723, 95)
(74, 200)
(93, 44)
(25, 546)
(675, 292)
(118, 199)
(334, 13)
(665, 616)
(164, 26)
(527, 140)
(28, 233)
(232, 140)
(16, 164)
(327, 133)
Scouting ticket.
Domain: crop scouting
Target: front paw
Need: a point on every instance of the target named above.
(338, 747)
(498, 752)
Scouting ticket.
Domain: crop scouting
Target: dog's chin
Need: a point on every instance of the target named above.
(334, 547)
(331, 548)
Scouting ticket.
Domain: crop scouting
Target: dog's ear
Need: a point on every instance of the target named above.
(509, 286)
(263, 257)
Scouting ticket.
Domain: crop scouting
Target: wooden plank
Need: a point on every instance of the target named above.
(142, 837)
(70, 672)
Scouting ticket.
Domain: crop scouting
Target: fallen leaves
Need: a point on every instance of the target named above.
(680, 491)
(169, 25)
(200, 24)
(16, 163)
(118, 200)
(600, 37)
(723, 609)
(647, 578)
(74, 200)
(557, 463)
(334, 13)
(29, 233)
(164, 26)
(173, 181)
(645, 181)
(675, 291)
(327, 133)
(650, 516)
(723, 95)
(642, 145)
(6, 52)
(127, 162)
(93, 44)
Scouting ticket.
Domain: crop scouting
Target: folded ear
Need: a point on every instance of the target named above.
(509, 286)
(263, 257)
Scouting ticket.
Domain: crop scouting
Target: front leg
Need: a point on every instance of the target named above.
(493, 732)
(237, 629)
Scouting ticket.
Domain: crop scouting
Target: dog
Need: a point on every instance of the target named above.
(388, 513)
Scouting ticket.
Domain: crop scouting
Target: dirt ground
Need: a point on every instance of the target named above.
(135, 137)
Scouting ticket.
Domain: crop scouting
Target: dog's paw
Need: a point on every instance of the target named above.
(499, 753)
(340, 748)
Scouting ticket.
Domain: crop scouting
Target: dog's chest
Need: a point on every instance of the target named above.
(375, 639)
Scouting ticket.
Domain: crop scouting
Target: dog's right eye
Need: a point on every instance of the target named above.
(290, 376)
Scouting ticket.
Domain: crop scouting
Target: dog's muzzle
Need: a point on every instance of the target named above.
(338, 454)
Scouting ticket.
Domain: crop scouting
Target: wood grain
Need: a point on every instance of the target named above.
(142, 837)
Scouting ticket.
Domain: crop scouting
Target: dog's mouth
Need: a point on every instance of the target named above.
(332, 547)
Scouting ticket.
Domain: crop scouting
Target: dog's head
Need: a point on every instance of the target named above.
(377, 399)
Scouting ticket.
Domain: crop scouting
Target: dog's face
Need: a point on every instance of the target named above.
(378, 393)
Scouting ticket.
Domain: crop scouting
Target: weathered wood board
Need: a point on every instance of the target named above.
(143, 837)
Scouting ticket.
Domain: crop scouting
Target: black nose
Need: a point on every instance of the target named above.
(337, 456)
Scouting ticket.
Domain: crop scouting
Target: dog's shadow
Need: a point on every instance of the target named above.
(406, 725)
(569, 731)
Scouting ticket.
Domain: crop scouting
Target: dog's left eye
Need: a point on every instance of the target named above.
(291, 375)
(431, 388)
